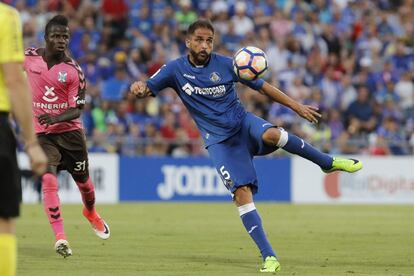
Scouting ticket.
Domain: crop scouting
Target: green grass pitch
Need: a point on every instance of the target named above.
(209, 239)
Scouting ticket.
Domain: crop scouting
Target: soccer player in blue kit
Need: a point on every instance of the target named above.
(205, 82)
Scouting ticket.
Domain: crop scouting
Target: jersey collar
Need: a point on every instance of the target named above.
(199, 66)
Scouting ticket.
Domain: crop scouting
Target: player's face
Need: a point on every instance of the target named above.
(200, 44)
(57, 39)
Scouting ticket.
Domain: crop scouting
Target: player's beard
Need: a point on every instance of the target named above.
(200, 58)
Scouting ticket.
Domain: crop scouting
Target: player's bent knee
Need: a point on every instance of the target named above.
(272, 136)
(51, 169)
(80, 178)
(276, 137)
(243, 195)
(85, 187)
(7, 225)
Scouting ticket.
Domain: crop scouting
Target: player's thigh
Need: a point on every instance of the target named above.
(234, 163)
(75, 155)
(10, 186)
(50, 146)
(256, 126)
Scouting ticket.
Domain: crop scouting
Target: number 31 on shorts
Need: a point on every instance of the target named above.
(80, 166)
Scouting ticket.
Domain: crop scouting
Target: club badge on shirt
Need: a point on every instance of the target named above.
(215, 77)
(62, 76)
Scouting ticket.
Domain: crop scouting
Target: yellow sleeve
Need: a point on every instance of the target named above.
(11, 40)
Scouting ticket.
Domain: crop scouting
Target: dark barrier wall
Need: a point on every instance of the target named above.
(195, 179)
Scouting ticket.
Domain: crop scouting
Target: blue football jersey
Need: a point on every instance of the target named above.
(208, 93)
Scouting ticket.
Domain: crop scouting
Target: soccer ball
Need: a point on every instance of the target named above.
(250, 63)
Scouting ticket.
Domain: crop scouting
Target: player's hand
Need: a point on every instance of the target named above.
(46, 119)
(38, 159)
(139, 89)
(308, 112)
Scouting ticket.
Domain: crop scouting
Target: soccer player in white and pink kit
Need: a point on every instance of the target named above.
(58, 86)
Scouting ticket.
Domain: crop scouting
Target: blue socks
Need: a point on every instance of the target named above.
(298, 146)
(253, 225)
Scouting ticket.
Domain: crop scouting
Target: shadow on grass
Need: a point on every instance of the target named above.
(205, 260)
(33, 251)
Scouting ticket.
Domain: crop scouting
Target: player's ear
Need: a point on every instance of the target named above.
(187, 42)
(46, 36)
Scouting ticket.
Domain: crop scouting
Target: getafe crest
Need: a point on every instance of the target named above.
(215, 77)
(62, 76)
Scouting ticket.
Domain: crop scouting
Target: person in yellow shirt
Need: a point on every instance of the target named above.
(15, 98)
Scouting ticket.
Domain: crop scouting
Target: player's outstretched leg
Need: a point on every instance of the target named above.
(51, 205)
(87, 191)
(253, 224)
(293, 144)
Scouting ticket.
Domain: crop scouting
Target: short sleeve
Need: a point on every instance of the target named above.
(77, 87)
(254, 84)
(161, 79)
(11, 40)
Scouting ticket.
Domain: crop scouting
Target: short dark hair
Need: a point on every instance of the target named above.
(58, 20)
(200, 23)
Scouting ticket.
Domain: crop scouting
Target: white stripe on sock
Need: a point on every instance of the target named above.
(283, 138)
(244, 209)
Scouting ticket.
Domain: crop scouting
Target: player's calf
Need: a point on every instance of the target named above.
(87, 190)
(296, 145)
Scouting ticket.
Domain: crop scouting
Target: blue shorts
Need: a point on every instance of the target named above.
(233, 158)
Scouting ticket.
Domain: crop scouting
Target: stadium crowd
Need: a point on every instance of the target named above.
(352, 58)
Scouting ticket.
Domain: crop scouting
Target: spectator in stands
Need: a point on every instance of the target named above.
(336, 46)
(132, 142)
(115, 15)
(101, 114)
(99, 142)
(392, 135)
(241, 22)
(359, 115)
(185, 15)
(114, 88)
(405, 91)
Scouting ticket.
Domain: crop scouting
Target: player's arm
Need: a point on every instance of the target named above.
(11, 57)
(20, 99)
(21, 103)
(156, 83)
(307, 112)
(66, 116)
(140, 89)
